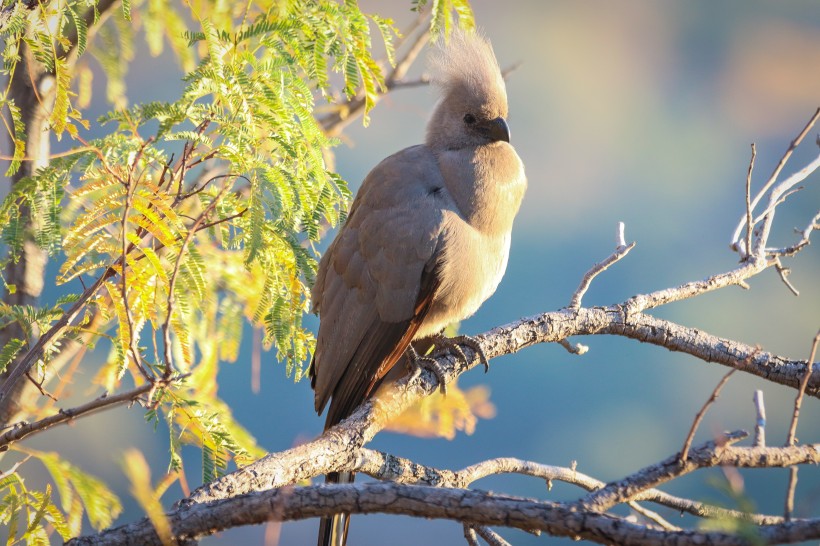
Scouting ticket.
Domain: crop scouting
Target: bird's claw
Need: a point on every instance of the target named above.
(416, 363)
(453, 343)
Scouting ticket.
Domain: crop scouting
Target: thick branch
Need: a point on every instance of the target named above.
(336, 449)
(476, 507)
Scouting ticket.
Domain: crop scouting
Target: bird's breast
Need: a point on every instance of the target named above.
(471, 266)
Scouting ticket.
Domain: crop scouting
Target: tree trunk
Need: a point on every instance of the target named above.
(33, 91)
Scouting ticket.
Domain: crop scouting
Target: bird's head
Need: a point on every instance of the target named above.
(472, 110)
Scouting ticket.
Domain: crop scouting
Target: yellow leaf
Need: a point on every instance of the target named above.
(442, 416)
(138, 473)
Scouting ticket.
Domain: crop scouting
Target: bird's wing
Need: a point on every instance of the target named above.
(377, 280)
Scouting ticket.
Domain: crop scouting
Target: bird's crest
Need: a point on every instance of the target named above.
(467, 59)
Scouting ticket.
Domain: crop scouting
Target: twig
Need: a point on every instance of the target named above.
(786, 155)
(348, 111)
(166, 329)
(577, 349)
(39, 385)
(790, 437)
(470, 536)
(491, 537)
(620, 251)
(384, 466)
(133, 347)
(627, 488)
(24, 430)
(749, 225)
(779, 193)
(790, 489)
(653, 516)
(784, 274)
(760, 420)
(36, 352)
(699, 417)
(775, 174)
(14, 467)
(814, 224)
(801, 391)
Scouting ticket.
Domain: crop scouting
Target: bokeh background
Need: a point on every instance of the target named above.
(633, 111)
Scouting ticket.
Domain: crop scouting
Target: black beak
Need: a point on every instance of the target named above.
(497, 129)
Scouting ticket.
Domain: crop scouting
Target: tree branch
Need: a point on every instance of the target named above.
(710, 454)
(384, 466)
(620, 251)
(24, 430)
(473, 507)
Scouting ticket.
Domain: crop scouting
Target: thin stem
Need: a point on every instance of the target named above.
(684, 452)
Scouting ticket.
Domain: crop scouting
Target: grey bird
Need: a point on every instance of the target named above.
(426, 241)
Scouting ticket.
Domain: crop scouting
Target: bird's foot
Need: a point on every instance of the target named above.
(453, 343)
(416, 363)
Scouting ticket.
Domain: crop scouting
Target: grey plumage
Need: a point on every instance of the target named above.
(428, 235)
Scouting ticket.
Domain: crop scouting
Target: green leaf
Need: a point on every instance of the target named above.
(19, 139)
(82, 28)
(59, 113)
(9, 351)
(43, 500)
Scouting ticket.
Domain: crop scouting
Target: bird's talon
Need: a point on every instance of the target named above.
(453, 343)
(417, 362)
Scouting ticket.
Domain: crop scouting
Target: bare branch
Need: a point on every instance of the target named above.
(470, 535)
(653, 516)
(623, 490)
(699, 417)
(749, 224)
(472, 507)
(814, 224)
(760, 420)
(773, 179)
(384, 466)
(790, 438)
(707, 455)
(491, 537)
(577, 349)
(620, 251)
(24, 430)
(784, 274)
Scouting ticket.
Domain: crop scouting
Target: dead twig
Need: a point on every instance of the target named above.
(749, 224)
(620, 251)
(684, 452)
(491, 537)
(735, 244)
(24, 430)
(791, 436)
(760, 420)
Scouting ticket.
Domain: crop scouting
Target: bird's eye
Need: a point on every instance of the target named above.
(469, 119)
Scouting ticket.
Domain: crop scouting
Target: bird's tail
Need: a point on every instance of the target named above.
(333, 530)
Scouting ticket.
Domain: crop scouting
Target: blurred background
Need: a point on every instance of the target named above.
(633, 111)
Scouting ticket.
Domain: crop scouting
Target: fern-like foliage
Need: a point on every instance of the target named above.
(191, 219)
